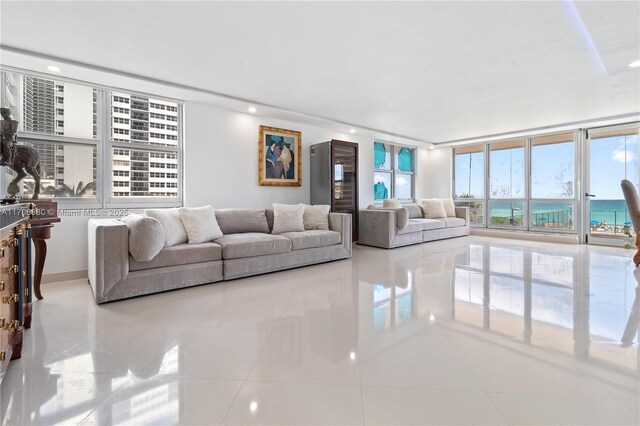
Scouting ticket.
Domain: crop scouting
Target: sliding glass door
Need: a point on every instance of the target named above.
(612, 155)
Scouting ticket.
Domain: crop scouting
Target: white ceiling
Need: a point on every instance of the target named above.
(433, 71)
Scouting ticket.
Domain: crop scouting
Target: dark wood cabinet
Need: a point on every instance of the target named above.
(334, 178)
(15, 281)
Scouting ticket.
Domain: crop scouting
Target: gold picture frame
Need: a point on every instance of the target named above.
(280, 157)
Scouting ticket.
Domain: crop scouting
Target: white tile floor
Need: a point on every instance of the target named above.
(464, 331)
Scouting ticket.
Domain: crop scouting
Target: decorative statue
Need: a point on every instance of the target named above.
(20, 158)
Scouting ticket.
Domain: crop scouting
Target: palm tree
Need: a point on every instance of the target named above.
(72, 191)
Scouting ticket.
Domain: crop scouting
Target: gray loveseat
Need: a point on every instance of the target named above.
(389, 228)
(114, 274)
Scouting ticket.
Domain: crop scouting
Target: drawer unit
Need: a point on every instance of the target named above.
(15, 279)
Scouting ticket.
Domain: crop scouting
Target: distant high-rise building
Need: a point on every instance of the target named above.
(140, 120)
(39, 102)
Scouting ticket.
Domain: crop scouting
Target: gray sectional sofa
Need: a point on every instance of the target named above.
(114, 274)
(389, 228)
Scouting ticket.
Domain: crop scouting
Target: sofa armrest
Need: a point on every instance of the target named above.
(463, 213)
(341, 222)
(377, 227)
(108, 245)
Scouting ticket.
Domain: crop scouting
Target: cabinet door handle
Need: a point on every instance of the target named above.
(10, 299)
(11, 269)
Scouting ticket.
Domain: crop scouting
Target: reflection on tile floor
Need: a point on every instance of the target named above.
(464, 331)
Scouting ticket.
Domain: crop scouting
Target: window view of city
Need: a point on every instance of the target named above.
(136, 120)
(142, 139)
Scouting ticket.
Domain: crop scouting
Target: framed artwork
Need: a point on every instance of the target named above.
(280, 157)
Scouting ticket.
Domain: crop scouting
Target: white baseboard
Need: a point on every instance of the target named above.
(63, 276)
(530, 236)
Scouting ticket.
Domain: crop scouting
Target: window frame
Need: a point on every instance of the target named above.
(527, 201)
(393, 171)
(485, 185)
(103, 143)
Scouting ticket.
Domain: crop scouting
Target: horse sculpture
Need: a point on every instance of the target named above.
(25, 160)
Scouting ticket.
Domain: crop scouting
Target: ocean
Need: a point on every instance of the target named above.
(612, 212)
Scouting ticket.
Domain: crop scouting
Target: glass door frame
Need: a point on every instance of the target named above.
(585, 235)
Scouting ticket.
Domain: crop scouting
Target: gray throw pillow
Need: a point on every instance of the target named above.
(236, 221)
(146, 236)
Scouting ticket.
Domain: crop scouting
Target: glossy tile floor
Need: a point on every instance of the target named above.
(464, 331)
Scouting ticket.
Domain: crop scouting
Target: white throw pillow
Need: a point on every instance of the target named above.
(146, 236)
(391, 203)
(288, 218)
(433, 208)
(449, 207)
(170, 220)
(200, 224)
(316, 217)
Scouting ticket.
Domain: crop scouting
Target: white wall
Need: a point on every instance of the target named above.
(435, 173)
(221, 169)
(221, 159)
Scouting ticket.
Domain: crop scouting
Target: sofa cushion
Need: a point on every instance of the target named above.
(449, 207)
(146, 236)
(171, 224)
(410, 228)
(312, 238)
(415, 211)
(428, 224)
(181, 254)
(287, 218)
(200, 224)
(236, 221)
(433, 208)
(316, 217)
(454, 222)
(251, 244)
(391, 203)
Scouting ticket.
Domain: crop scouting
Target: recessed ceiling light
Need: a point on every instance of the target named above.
(635, 64)
(253, 406)
(352, 356)
(53, 68)
(352, 130)
(252, 110)
(432, 146)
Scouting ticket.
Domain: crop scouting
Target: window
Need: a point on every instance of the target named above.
(393, 175)
(552, 182)
(500, 188)
(506, 183)
(63, 121)
(469, 181)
